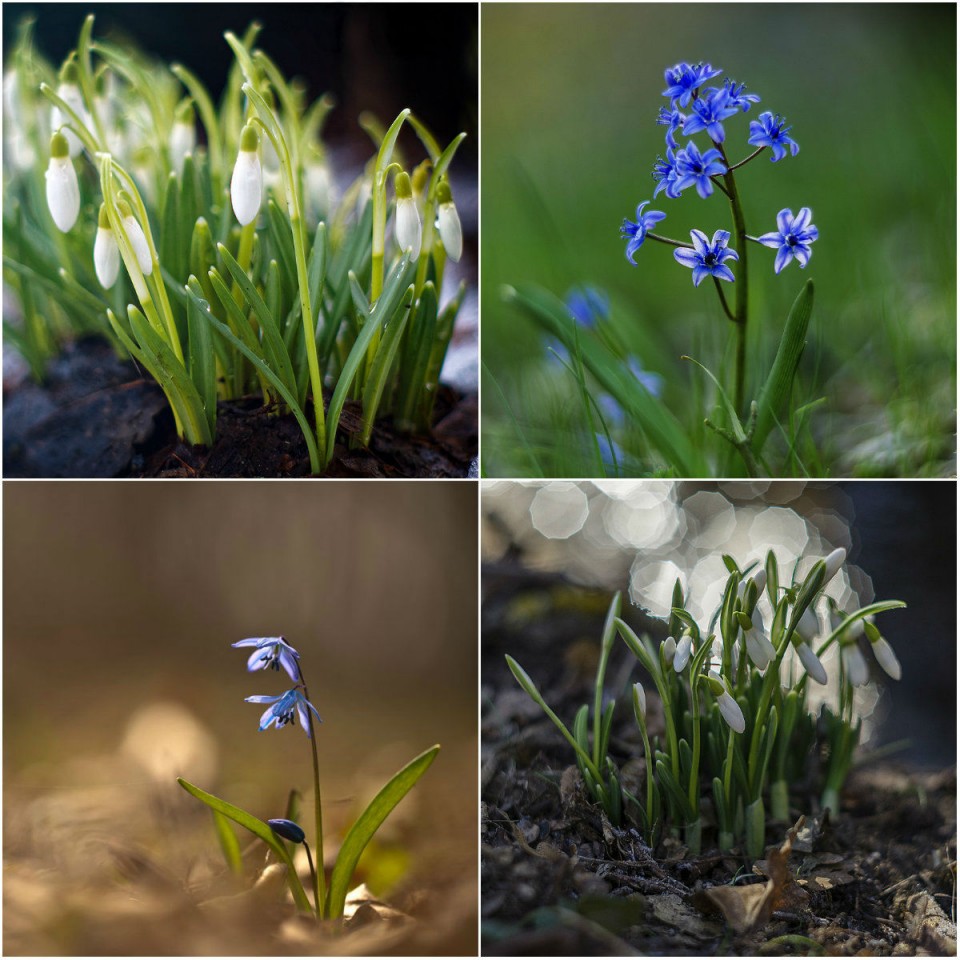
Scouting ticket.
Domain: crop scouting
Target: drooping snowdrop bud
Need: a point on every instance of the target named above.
(69, 91)
(106, 253)
(809, 625)
(668, 649)
(834, 562)
(682, 657)
(448, 222)
(640, 699)
(63, 189)
(854, 664)
(246, 184)
(811, 662)
(407, 227)
(183, 136)
(883, 651)
(136, 237)
(729, 708)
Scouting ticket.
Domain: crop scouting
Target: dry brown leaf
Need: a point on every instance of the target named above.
(748, 908)
(569, 787)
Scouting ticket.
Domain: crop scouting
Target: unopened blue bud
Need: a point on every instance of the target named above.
(287, 829)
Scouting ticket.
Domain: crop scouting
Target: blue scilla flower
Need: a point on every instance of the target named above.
(672, 119)
(737, 97)
(611, 453)
(588, 305)
(665, 173)
(707, 256)
(683, 79)
(636, 232)
(272, 652)
(709, 112)
(281, 709)
(770, 131)
(792, 238)
(613, 413)
(694, 169)
(651, 381)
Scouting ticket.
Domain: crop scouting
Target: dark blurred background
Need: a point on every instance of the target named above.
(377, 57)
(120, 605)
(638, 536)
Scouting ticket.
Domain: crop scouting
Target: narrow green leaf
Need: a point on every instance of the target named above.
(388, 302)
(367, 825)
(776, 391)
(415, 361)
(275, 349)
(174, 379)
(228, 842)
(382, 367)
(203, 367)
(259, 829)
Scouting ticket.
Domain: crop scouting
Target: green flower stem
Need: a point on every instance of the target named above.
(380, 172)
(746, 160)
(672, 243)
(313, 877)
(319, 877)
(740, 318)
(693, 790)
(208, 116)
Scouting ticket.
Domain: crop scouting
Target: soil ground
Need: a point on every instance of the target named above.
(557, 879)
(90, 419)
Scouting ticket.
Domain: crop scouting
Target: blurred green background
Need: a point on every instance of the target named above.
(570, 93)
(120, 605)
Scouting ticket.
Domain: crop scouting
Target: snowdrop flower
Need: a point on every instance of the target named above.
(729, 708)
(272, 652)
(136, 237)
(407, 228)
(668, 649)
(883, 651)
(318, 186)
(281, 709)
(183, 136)
(811, 662)
(809, 625)
(448, 222)
(833, 561)
(106, 253)
(63, 189)
(640, 696)
(682, 656)
(759, 648)
(246, 184)
(69, 92)
(103, 99)
(854, 664)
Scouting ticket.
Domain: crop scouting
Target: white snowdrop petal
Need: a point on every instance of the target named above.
(641, 697)
(246, 187)
(451, 233)
(669, 648)
(63, 193)
(106, 257)
(183, 140)
(731, 712)
(809, 625)
(811, 663)
(855, 665)
(887, 658)
(682, 656)
(407, 226)
(139, 243)
(834, 562)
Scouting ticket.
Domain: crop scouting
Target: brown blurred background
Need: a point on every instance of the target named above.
(122, 600)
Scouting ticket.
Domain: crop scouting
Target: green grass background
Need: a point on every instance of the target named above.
(569, 97)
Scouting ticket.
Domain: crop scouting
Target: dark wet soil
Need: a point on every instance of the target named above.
(91, 419)
(557, 879)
